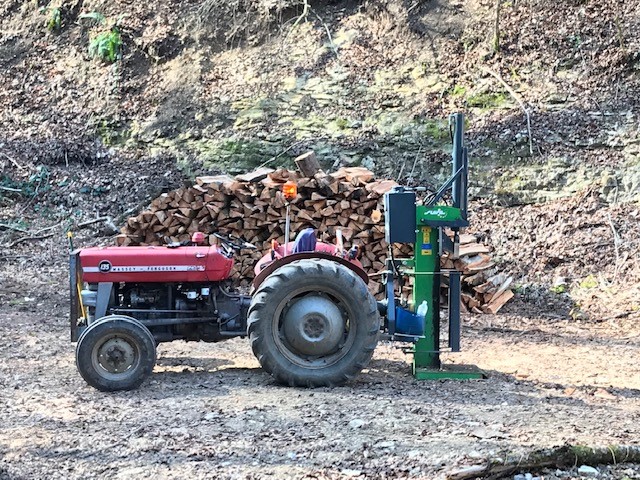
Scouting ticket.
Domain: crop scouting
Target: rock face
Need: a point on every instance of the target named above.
(230, 85)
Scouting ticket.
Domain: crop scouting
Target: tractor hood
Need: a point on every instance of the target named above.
(154, 264)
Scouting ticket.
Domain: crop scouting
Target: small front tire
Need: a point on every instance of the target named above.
(116, 353)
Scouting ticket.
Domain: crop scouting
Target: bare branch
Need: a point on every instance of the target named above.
(15, 229)
(95, 220)
(518, 99)
(35, 237)
(17, 165)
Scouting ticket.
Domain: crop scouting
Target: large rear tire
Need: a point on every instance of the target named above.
(115, 353)
(313, 323)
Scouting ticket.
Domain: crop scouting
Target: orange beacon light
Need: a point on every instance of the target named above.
(290, 190)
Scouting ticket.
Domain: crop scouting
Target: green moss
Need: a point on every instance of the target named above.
(310, 123)
(235, 155)
(486, 100)
(589, 282)
(112, 132)
(458, 91)
(437, 130)
(342, 123)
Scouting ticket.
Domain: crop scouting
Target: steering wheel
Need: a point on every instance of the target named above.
(231, 242)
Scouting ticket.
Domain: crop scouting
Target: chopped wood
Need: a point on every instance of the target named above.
(213, 181)
(308, 164)
(466, 238)
(253, 207)
(477, 262)
(473, 249)
(381, 187)
(255, 176)
(497, 303)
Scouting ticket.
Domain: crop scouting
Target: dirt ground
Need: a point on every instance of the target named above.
(209, 411)
(561, 358)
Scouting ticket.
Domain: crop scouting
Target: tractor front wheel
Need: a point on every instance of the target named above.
(313, 323)
(115, 353)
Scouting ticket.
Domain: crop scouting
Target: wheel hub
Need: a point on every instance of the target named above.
(314, 325)
(116, 355)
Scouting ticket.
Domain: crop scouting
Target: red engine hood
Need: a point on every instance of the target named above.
(154, 264)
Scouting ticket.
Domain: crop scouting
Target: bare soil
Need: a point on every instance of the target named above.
(209, 411)
(81, 138)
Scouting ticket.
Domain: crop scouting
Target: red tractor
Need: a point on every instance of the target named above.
(311, 320)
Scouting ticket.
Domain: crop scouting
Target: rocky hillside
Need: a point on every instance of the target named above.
(161, 92)
(229, 85)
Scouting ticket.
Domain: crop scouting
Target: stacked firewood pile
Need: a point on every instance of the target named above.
(252, 207)
(484, 288)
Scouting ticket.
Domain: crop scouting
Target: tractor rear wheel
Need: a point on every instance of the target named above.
(313, 323)
(115, 353)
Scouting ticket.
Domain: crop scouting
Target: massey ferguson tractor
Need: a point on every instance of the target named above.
(310, 318)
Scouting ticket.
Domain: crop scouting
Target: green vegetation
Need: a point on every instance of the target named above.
(112, 132)
(37, 182)
(589, 282)
(342, 123)
(458, 91)
(486, 100)
(106, 43)
(437, 130)
(54, 19)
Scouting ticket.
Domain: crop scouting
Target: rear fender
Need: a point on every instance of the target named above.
(275, 264)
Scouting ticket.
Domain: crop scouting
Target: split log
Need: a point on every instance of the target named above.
(308, 164)
(498, 302)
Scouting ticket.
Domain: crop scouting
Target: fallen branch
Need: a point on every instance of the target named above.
(13, 257)
(17, 165)
(616, 245)
(9, 189)
(415, 161)
(15, 229)
(95, 220)
(303, 16)
(264, 164)
(566, 456)
(35, 237)
(517, 98)
(326, 29)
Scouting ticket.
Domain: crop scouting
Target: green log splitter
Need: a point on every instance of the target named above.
(422, 223)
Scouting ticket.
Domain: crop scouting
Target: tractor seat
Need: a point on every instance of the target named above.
(305, 241)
